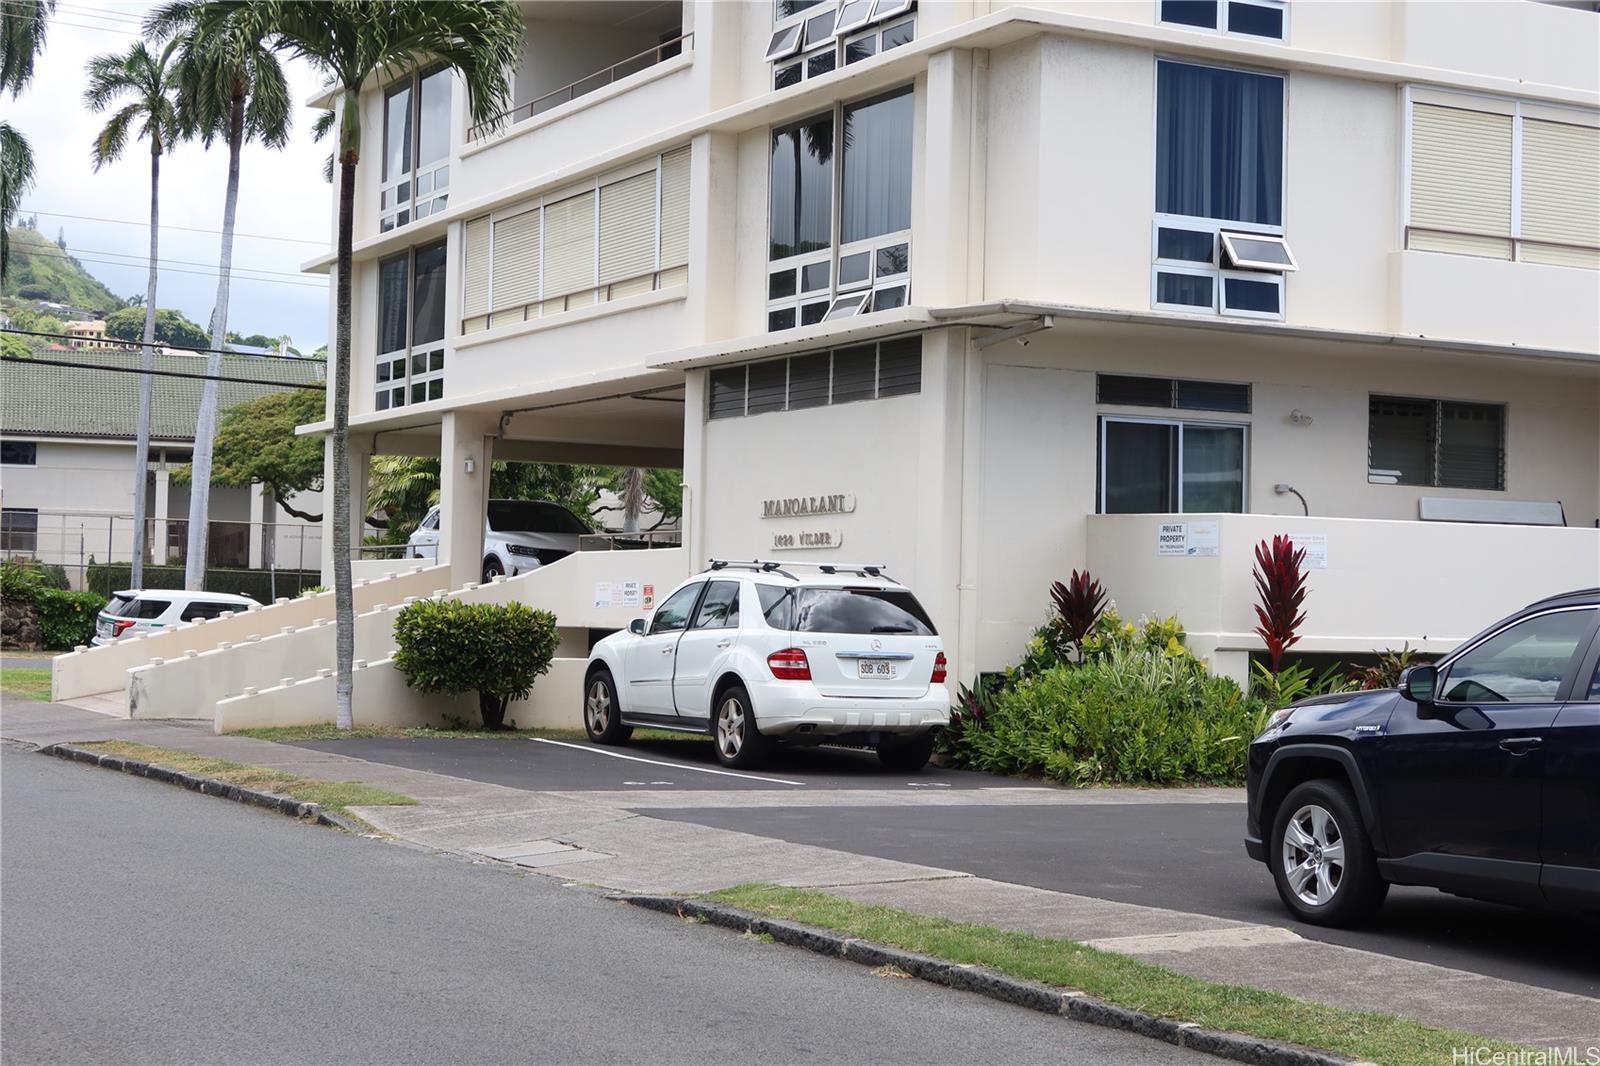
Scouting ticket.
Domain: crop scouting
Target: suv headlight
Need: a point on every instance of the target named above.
(522, 549)
(1278, 719)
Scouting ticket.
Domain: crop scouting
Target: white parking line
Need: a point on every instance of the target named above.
(673, 765)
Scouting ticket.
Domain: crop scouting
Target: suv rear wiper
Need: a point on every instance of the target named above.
(892, 629)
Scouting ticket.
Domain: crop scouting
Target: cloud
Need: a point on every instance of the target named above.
(281, 194)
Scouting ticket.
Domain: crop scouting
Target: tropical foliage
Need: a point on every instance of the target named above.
(1280, 577)
(24, 25)
(256, 442)
(172, 327)
(1079, 603)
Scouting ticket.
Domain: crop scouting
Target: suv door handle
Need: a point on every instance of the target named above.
(1521, 745)
(724, 642)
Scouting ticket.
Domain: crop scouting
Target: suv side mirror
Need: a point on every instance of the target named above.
(1419, 684)
(637, 627)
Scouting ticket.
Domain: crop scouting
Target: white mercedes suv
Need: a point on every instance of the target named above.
(753, 653)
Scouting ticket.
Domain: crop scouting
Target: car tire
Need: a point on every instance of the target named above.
(1321, 857)
(492, 569)
(602, 713)
(739, 741)
(906, 755)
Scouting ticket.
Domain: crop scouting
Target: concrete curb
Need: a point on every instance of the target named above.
(206, 786)
(1043, 998)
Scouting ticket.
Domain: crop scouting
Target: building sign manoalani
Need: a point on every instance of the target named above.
(807, 507)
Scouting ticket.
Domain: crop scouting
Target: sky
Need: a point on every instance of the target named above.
(281, 194)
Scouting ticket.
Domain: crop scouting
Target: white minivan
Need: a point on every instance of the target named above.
(133, 611)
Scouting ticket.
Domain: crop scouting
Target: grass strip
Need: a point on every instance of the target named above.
(335, 796)
(25, 682)
(291, 734)
(1120, 979)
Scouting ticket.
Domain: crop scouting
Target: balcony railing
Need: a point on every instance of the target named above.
(584, 85)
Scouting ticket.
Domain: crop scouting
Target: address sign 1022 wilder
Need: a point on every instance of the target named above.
(808, 507)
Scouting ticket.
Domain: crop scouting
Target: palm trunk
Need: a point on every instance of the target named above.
(344, 614)
(147, 362)
(632, 498)
(205, 430)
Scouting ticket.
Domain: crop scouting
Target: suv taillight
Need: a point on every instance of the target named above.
(120, 624)
(790, 664)
(940, 665)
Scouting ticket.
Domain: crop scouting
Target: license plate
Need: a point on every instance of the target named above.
(874, 668)
(102, 628)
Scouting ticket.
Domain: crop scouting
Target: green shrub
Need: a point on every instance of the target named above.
(66, 618)
(497, 650)
(106, 578)
(1135, 712)
(19, 582)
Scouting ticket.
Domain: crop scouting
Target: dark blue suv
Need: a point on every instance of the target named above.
(1479, 776)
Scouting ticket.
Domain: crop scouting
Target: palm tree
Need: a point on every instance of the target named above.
(352, 41)
(231, 86)
(23, 24)
(143, 79)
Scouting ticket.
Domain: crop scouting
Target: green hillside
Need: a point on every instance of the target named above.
(41, 271)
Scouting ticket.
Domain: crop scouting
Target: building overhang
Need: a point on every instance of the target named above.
(1009, 314)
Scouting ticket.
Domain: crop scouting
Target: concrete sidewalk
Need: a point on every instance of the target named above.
(609, 840)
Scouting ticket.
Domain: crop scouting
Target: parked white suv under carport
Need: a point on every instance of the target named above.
(518, 536)
(757, 653)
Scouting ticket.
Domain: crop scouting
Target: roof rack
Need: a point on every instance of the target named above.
(769, 566)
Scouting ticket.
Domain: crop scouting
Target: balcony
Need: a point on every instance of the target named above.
(1373, 584)
(573, 49)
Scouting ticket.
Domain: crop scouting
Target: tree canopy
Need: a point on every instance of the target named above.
(172, 327)
(256, 441)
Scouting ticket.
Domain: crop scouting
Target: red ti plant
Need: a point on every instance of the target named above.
(1079, 602)
(1281, 585)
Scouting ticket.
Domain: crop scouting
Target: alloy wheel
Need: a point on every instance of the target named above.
(598, 707)
(730, 727)
(1313, 855)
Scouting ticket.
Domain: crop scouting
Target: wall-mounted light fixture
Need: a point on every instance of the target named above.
(469, 465)
(1283, 488)
(1300, 418)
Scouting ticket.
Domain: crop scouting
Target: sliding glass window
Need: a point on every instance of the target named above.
(410, 361)
(1148, 466)
(416, 149)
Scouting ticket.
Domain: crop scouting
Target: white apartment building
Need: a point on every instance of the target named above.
(987, 292)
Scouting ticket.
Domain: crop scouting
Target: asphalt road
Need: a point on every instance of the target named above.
(1187, 857)
(561, 766)
(144, 923)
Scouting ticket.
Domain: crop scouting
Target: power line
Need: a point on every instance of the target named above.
(145, 259)
(165, 225)
(206, 273)
(160, 373)
(174, 347)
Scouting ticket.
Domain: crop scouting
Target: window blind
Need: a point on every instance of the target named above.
(569, 245)
(675, 208)
(1560, 192)
(1461, 180)
(516, 260)
(628, 228)
(475, 269)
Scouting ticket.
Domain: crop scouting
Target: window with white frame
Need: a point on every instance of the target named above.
(410, 365)
(1160, 466)
(1217, 240)
(1503, 179)
(415, 177)
(834, 257)
(1438, 443)
(19, 453)
(812, 37)
(618, 234)
(1247, 18)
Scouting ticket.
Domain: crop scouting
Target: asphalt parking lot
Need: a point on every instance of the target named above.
(1184, 856)
(578, 766)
